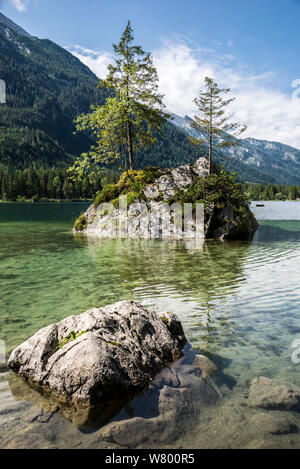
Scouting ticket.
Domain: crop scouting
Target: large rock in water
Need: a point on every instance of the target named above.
(120, 349)
(229, 222)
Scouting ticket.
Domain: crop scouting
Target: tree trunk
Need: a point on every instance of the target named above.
(210, 153)
(210, 136)
(130, 147)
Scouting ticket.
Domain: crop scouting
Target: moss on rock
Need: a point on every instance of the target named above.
(81, 223)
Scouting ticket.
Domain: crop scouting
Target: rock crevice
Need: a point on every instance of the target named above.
(120, 349)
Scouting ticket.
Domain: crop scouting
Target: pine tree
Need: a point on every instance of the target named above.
(213, 121)
(132, 116)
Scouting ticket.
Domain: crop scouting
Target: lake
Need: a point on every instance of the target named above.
(239, 303)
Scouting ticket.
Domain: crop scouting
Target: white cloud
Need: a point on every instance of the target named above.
(19, 5)
(269, 113)
(97, 61)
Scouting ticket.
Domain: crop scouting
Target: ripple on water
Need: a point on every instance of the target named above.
(239, 302)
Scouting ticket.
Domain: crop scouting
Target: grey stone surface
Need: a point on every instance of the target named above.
(220, 223)
(230, 222)
(122, 348)
(201, 167)
(207, 366)
(183, 176)
(275, 425)
(167, 409)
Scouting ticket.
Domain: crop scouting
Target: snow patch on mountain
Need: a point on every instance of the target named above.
(13, 26)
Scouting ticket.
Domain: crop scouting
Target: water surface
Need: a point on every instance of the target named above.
(239, 302)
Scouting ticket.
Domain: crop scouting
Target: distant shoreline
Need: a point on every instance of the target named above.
(55, 201)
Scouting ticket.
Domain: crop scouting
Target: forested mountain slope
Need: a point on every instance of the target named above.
(47, 87)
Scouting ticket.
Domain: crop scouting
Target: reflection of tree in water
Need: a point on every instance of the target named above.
(205, 273)
(202, 275)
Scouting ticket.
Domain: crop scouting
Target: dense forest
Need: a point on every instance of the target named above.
(46, 184)
(38, 184)
(271, 192)
(47, 87)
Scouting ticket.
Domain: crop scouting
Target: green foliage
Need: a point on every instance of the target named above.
(108, 193)
(131, 118)
(216, 189)
(166, 321)
(81, 223)
(271, 192)
(71, 337)
(131, 183)
(212, 119)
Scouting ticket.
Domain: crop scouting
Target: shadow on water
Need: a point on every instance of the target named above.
(278, 231)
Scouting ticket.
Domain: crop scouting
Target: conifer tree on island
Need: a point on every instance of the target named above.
(213, 121)
(132, 116)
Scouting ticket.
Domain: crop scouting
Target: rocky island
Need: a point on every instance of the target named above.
(226, 210)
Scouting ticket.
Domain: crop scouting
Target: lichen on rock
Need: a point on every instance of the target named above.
(116, 349)
(226, 211)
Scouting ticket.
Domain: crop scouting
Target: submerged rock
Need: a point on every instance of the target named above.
(268, 394)
(207, 366)
(100, 354)
(168, 408)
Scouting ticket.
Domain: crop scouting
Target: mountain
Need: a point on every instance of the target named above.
(6, 22)
(259, 160)
(47, 87)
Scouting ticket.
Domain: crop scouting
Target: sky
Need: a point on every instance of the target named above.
(251, 46)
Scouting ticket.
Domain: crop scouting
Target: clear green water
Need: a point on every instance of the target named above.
(239, 301)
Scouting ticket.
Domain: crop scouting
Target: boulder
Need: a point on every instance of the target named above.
(268, 394)
(167, 409)
(207, 366)
(228, 221)
(100, 354)
(201, 167)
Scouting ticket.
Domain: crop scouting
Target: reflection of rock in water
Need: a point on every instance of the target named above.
(81, 416)
(276, 232)
(205, 270)
(178, 410)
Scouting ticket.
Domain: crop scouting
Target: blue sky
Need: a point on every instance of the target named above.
(251, 46)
